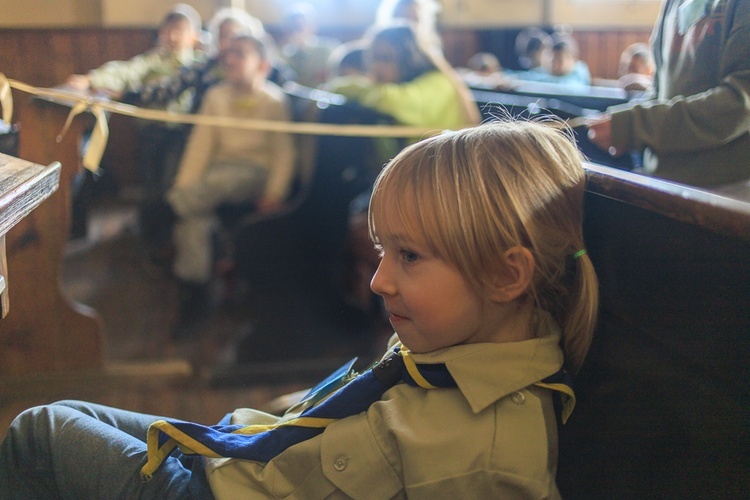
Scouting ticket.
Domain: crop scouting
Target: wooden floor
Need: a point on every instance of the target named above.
(146, 370)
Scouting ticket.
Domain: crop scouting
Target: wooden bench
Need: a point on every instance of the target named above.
(46, 332)
(538, 100)
(664, 396)
(23, 187)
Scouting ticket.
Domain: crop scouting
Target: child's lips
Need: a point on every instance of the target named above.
(396, 317)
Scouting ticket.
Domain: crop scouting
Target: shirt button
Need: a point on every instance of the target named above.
(341, 463)
(518, 398)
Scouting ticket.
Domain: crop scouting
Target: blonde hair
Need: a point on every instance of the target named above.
(482, 190)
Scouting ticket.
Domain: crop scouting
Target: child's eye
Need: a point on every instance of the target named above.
(409, 256)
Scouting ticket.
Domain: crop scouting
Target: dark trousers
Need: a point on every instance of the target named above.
(159, 155)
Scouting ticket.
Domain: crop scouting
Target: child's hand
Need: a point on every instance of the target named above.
(78, 82)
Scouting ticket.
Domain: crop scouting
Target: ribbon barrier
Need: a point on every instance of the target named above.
(6, 99)
(99, 107)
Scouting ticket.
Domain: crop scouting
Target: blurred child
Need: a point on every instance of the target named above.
(422, 14)
(483, 63)
(409, 83)
(636, 68)
(348, 60)
(302, 49)
(175, 48)
(533, 48)
(191, 83)
(483, 70)
(229, 165)
(159, 144)
(490, 292)
(565, 68)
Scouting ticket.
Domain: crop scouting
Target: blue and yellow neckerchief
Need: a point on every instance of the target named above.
(261, 443)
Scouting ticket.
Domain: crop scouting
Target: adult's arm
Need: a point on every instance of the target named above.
(698, 122)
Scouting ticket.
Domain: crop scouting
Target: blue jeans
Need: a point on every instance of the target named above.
(73, 449)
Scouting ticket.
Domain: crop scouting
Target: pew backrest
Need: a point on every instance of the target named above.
(663, 396)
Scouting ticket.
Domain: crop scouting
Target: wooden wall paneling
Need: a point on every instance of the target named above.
(90, 50)
(35, 54)
(9, 57)
(126, 43)
(588, 50)
(613, 47)
(62, 61)
(117, 47)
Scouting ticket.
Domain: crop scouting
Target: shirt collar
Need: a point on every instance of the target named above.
(487, 372)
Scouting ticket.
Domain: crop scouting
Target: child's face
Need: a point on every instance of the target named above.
(383, 67)
(177, 36)
(431, 304)
(243, 65)
(227, 31)
(562, 62)
(640, 66)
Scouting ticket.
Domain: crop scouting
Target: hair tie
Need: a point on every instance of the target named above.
(579, 253)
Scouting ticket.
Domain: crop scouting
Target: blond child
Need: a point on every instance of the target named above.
(490, 293)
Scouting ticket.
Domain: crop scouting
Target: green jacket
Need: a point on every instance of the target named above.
(131, 75)
(697, 127)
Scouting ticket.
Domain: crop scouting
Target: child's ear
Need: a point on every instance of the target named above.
(516, 277)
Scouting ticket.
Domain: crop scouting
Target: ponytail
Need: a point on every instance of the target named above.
(580, 314)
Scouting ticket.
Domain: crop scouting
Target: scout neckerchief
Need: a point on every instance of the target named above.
(261, 443)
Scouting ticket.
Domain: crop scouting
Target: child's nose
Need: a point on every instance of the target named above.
(381, 282)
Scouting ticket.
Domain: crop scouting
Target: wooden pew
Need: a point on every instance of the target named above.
(46, 332)
(23, 186)
(540, 100)
(663, 396)
(592, 97)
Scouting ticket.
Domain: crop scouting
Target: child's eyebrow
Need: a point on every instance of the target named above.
(403, 239)
(396, 238)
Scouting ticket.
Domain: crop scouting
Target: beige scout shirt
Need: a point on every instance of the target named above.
(495, 436)
(209, 145)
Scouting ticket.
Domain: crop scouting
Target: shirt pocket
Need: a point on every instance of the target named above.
(352, 460)
(690, 13)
